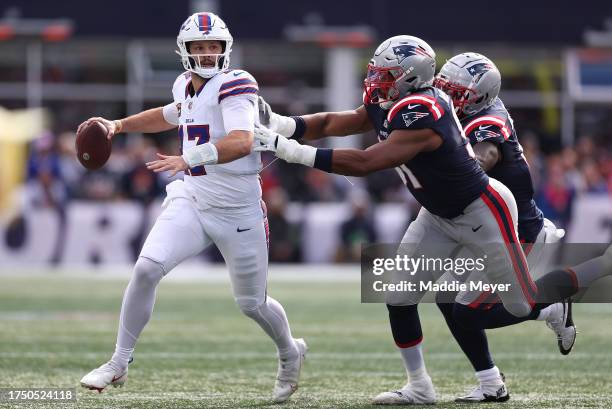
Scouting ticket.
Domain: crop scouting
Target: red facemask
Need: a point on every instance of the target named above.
(379, 84)
(460, 95)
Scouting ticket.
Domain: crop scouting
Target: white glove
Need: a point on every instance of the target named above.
(284, 125)
(287, 149)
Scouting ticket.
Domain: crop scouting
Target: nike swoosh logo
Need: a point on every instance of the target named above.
(237, 73)
(483, 127)
(115, 378)
(476, 229)
(239, 230)
(412, 106)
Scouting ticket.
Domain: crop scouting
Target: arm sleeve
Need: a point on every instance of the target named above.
(238, 114)
(170, 112)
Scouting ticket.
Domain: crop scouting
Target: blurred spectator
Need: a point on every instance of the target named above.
(556, 195)
(44, 178)
(45, 187)
(139, 183)
(358, 229)
(321, 187)
(284, 237)
(531, 150)
(72, 171)
(594, 181)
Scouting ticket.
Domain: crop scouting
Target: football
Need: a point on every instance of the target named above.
(92, 146)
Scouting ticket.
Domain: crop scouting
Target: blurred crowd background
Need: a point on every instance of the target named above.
(557, 88)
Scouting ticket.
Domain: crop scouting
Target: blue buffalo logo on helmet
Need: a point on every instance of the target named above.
(406, 50)
(204, 22)
(478, 70)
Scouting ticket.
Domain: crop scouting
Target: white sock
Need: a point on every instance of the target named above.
(272, 319)
(122, 356)
(489, 376)
(414, 363)
(136, 308)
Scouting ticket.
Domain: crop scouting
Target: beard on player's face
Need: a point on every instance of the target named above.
(207, 52)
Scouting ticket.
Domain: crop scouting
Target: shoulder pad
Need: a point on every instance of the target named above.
(178, 87)
(237, 82)
(487, 127)
(417, 102)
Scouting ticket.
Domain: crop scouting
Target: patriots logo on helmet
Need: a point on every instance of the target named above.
(411, 117)
(406, 50)
(478, 70)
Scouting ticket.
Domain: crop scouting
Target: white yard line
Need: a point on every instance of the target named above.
(193, 271)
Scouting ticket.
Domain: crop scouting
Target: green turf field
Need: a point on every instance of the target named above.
(199, 351)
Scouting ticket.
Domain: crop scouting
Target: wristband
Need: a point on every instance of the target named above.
(118, 125)
(300, 128)
(323, 160)
(205, 154)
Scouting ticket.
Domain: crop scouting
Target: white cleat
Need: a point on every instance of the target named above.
(107, 374)
(495, 392)
(560, 321)
(419, 392)
(289, 374)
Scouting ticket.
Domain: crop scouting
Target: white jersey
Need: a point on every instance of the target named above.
(226, 102)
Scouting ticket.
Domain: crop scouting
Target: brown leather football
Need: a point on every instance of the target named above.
(92, 146)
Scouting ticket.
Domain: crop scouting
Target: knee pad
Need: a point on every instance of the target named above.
(147, 271)
(250, 306)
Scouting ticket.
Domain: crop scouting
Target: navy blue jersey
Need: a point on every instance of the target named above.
(448, 179)
(494, 125)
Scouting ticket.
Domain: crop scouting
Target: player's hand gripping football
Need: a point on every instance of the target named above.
(287, 149)
(112, 127)
(175, 164)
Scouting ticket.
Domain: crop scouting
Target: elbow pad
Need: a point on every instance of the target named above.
(205, 154)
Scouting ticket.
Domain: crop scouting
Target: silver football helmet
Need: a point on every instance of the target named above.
(471, 80)
(400, 65)
(204, 26)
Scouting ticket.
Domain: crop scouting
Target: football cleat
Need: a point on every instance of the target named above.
(289, 374)
(561, 322)
(419, 392)
(107, 374)
(486, 393)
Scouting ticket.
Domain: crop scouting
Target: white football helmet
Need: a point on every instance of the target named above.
(400, 65)
(204, 26)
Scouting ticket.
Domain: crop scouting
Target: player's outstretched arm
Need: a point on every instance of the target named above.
(342, 123)
(400, 147)
(315, 126)
(149, 121)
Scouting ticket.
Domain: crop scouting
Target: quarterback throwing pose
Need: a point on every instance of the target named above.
(219, 200)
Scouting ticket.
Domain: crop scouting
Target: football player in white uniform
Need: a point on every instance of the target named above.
(219, 200)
